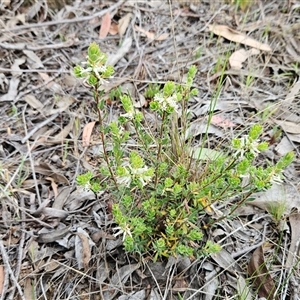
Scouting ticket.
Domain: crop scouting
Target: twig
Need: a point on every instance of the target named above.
(10, 272)
(24, 46)
(30, 155)
(21, 247)
(59, 71)
(65, 21)
(37, 127)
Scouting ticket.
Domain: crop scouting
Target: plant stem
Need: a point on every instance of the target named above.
(159, 146)
(106, 158)
(241, 202)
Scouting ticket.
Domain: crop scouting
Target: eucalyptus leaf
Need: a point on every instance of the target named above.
(201, 153)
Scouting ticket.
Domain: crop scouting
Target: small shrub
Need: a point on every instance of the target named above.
(160, 190)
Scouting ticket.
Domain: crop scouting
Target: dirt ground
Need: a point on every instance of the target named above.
(56, 239)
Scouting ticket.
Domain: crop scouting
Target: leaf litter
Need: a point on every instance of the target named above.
(56, 239)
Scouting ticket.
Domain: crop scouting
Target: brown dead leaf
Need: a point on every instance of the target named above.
(126, 46)
(83, 249)
(262, 279)
(33, 102)
(238, 37)
(151, 35)
(293, 250)
(238, 57)
(59, 138)
(50, 84)
(289, 127)
(123, 24)
(48, 170)
(87, 132)
(294, 91)
(12, 91)
(53, 185)
(220, 121)
(105, 26)
(28, 289)
(62, 105)
(53, 235)
(2, 274)
(33, 60)
(113, 30)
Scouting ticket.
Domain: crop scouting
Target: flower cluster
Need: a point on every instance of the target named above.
(167, 100)
(249, 145)
(134, 170)
(96, 70)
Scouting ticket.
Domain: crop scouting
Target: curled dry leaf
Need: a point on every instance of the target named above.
(52, 236)
(123, 24)
(53, 185)
(261, 278)
(105, 26)
(87, 132)
(238, 37)
(83, 249)
(33, 60)
(238, 57)
(12, 91)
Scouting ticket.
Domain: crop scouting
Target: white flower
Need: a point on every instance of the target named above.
(276, 178)
(125, 179)
(166, 103)
(141, 175)
(125, 230)
(246, 145)
(129, 115)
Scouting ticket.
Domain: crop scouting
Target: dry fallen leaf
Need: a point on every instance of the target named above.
(293, 250)
(2, 274)
(83, 245)
(218, 120)
(53, 185)
(284, 146)
(113, 30)
(294, 91)
(60, 137)
(123, 24)
(126, 46)
(87, 132)
(12, 91)
(238, 57)
(261, 277)
(238, 37)
(105, 26)
(50, 84)
(15, 67)
(151, 35)
(33, 60)
(289, 127)
(33, 102)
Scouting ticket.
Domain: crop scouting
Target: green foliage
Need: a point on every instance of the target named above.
(159, 197)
